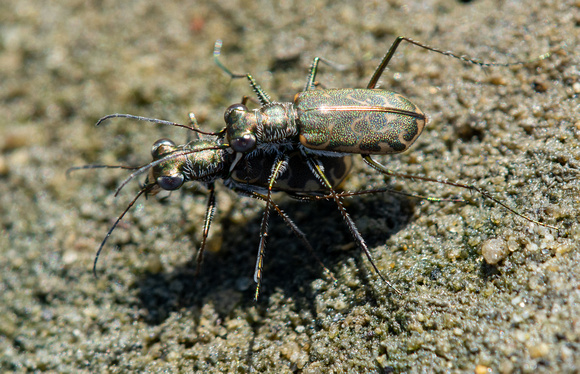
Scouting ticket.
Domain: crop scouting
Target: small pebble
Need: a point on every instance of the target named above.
(494, 250)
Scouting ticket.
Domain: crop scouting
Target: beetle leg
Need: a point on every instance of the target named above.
(375, 191)
(317, 169)
(385, 61)
(262, 95)
(383, 65)
(380, 168)
(296, 230)
(312, 75)
(311, 81)
(247, 98)
(209, 213)
(279, 167)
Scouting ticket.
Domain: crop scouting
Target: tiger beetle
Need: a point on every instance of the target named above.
(207, 160)
(334, 123)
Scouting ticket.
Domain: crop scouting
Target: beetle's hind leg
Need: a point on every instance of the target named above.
(380, 168)
(390, 53)
(318, 171)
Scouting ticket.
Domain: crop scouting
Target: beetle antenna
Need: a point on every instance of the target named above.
(96, 166)
(193, 127)
(143, 190)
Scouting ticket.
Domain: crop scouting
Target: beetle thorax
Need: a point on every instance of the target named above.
(276, 123)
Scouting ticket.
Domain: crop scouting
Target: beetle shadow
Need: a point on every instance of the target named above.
(226, 277)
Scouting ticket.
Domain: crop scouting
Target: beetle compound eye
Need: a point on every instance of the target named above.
(244, 144)
(234, 108)
(170, 183)
(159, 145)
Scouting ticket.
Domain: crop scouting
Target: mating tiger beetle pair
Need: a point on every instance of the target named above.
(302, 148)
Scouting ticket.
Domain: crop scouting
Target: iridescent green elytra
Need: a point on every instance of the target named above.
(357, 121)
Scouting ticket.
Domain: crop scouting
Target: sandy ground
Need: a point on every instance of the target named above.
(512, 131)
